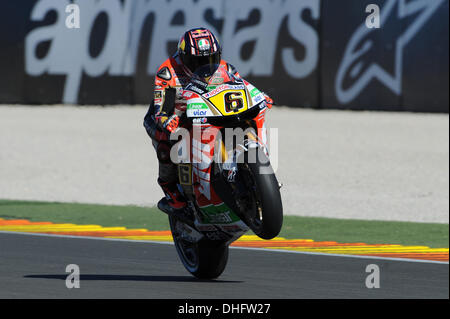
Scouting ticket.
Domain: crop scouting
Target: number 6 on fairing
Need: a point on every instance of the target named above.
(233, 101)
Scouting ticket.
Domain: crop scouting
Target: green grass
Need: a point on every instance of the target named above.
(367, 231)
(316, 228)
(104, 215)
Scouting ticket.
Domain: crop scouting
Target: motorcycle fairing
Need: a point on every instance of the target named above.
(211, 103)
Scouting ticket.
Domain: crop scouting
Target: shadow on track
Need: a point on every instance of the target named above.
(130, 278)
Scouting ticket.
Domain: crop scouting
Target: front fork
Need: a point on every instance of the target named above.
(228, 160)
(228, 170)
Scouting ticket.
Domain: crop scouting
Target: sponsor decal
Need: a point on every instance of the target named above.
(258, 99)
(219, 214)
(158, 94)
(220, 218)
(217, 80)
(202, 120)
(195, 89)
(203, 45)
(223, 88)
(187, 94)
(198, 106)
(262, 105)
(198, 113)
(199, 33)
(199, 83)
(255, 92)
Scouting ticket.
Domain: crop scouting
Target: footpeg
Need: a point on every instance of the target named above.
(179, 214)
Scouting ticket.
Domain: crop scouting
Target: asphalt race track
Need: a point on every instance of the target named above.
(33, 266)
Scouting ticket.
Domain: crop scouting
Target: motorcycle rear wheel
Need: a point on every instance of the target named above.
(205, 259)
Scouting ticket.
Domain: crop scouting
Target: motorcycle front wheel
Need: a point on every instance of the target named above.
(205, 259)
(262, 203)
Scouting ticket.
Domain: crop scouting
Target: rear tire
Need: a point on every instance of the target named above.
(205, 259)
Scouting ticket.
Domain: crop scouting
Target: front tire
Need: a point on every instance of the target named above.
(264, 213)
(205, 259)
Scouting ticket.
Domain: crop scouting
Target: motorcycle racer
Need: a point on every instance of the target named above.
(197, 49)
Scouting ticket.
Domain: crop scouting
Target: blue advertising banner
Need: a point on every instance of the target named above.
(304, 53)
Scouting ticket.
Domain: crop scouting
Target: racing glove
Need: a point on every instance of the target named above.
(171, 124)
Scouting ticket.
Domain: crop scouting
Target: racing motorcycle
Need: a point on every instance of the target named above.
(224, 174)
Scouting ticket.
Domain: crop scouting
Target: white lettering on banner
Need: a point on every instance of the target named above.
(304, 34)
(69, 51)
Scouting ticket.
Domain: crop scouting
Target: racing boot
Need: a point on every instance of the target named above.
(174, 204)
(173, 196)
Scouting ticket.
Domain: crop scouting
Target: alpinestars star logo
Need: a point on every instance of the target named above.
(358, 67)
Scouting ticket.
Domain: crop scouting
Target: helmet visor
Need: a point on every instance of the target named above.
(203, 66)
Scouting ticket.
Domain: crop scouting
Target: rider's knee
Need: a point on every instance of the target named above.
(163, 152)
